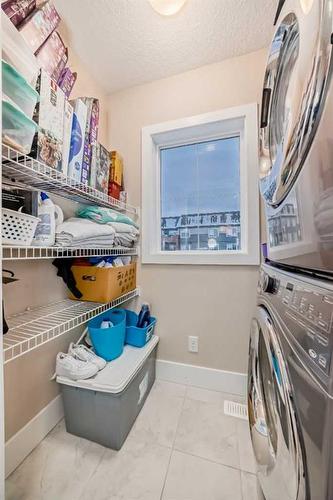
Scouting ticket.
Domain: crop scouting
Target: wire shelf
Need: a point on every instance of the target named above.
(29, 253)
(33, 328)
(27, 170)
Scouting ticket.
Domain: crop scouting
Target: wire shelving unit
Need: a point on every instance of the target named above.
(32, 328)
(24, 169)
(29, 253)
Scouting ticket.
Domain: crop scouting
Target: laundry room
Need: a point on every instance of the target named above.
(167, 250)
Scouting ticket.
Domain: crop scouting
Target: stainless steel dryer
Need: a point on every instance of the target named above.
(290, 386)
(296, 137)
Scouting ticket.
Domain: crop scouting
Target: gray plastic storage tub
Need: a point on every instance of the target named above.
(104, 408)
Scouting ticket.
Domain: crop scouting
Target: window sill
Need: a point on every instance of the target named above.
(231, 258)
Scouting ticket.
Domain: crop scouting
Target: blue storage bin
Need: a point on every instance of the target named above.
(108, 343)
(138, 337)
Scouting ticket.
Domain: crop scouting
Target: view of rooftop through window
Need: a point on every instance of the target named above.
(200, 196)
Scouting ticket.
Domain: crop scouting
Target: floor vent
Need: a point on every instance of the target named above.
(233, 409)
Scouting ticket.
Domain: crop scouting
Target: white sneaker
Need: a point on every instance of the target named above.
(75, 369)
(82, 353)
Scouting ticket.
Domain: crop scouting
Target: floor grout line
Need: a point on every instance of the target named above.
(173, 443)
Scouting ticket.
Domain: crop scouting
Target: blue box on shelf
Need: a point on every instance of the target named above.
(108, 343)
(138, 337)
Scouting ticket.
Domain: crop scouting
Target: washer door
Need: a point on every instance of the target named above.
(273, 426)
(295, 87)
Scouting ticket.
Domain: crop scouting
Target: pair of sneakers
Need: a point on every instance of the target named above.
(79, 363)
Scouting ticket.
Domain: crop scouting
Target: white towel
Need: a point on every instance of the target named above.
(120, 227)
(84, 232)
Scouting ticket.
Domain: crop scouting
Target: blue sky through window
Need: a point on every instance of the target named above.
(200, 178)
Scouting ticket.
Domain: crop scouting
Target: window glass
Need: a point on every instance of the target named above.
(200, 196)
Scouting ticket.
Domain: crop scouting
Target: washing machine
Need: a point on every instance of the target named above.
(296, 137)
(290, 386)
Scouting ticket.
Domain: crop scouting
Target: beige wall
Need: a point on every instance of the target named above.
(213, 302)
(28, 388)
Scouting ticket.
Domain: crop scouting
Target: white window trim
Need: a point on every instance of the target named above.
(241, 121)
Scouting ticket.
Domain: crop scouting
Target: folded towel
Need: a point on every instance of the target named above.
(120, 227)
(103, 215)
(84, 232)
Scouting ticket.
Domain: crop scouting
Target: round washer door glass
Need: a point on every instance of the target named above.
(272, 418)
(296, 82)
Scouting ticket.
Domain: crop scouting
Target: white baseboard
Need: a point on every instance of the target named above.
(26, 439)
(199, 376)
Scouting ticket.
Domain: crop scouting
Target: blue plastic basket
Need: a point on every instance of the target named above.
(108, 343)
(138, 337)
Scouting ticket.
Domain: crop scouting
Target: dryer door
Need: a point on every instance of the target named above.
(274, 431)
(295, 87)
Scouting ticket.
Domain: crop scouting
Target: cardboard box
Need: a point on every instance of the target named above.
(53, 56)
(100, 168)
(90, 135)
(49, 114)
(66, 143)
(98, 284)
(18, 10)
(77, 139)
(116, 169)
(114, 190)
(36, 28)
(20, 199)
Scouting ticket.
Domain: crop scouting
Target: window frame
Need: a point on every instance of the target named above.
(241, 121)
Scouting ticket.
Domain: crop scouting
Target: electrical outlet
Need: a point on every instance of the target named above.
(193, 343)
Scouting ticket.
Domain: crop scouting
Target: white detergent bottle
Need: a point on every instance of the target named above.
(50, 215)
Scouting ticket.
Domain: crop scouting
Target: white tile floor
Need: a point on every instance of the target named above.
(182, 447)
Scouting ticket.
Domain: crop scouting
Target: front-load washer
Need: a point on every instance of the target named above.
(296, 137)
(290, 386)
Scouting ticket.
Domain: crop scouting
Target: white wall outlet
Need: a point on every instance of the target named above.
(193, 343)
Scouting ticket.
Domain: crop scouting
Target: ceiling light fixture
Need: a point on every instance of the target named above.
(167, 7)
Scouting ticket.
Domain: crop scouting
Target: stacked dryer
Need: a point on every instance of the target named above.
(290, 384)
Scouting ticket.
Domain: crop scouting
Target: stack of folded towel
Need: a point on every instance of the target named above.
(77, 232)
(125, 235)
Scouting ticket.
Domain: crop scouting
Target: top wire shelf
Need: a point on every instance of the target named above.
(22, 168)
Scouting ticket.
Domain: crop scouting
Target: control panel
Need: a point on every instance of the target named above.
(307, 311)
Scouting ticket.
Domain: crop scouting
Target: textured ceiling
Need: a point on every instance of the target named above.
(125, 42)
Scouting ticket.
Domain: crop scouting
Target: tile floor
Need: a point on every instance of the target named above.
(182, 447)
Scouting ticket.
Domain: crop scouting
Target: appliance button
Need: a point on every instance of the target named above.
(311, 317)
(313, 354)
(322, 361)
(322, 324)
(322, 340)
(311, 334)
(328, 299)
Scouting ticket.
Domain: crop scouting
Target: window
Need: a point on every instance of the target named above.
(199, 189)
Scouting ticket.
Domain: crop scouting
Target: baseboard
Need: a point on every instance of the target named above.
(199, 376)
(26, 439)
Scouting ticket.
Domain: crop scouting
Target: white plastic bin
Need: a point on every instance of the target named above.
(104, 408)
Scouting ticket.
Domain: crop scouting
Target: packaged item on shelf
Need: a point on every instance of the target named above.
(99, 284)
(77, 139)
(49, 216)
(66, 142)
(116, 168)
(39, 25)
(49, 115)
(21, 199)
(15, 86)
(66, 81)
(18, 130)
(53, 55)
(100, 166)
(114, 190)
(90, 138)
(18, 10)
(123, 197)
(17, 52)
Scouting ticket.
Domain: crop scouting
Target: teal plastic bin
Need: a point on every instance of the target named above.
(138, 337)
(18, 89)
(108, 343)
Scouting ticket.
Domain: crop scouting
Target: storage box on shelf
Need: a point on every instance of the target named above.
(33, 328)
(31, 172)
